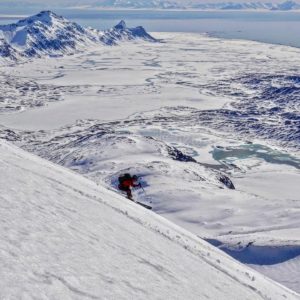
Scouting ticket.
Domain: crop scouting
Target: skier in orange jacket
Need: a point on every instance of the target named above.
(126, 182)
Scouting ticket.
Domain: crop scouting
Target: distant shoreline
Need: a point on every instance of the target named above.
(4, 16)
(252, 25)
(8, 16)
(120, 9)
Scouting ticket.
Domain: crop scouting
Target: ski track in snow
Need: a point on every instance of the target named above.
(205, 96)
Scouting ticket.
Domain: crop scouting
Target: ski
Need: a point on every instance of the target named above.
(144, 205)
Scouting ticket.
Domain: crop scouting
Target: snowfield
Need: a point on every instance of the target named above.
(242, 87)
(62, 236)
(211, 126)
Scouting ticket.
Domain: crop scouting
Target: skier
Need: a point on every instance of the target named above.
(126, 182)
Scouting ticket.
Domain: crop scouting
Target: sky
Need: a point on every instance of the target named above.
(86, 2)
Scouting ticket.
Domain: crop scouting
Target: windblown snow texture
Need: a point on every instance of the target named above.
(267, 105)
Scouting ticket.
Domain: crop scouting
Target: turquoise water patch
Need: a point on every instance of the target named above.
(231, 154)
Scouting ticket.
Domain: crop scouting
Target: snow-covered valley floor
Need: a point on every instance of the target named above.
(181, 114)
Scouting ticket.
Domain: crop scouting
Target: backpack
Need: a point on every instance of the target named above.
(124, 177)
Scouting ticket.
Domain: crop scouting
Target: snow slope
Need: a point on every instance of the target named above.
(65, 237)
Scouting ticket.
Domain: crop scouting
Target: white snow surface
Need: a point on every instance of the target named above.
(62, 236)
(160, 90)
(208, 74)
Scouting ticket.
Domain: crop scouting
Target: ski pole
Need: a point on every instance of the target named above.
(143, 189)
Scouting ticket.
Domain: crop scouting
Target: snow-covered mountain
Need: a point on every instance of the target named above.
(63, 236)
(175, 4)
(287, 5)
(122, 32)
(49, 34)
(7, 52)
